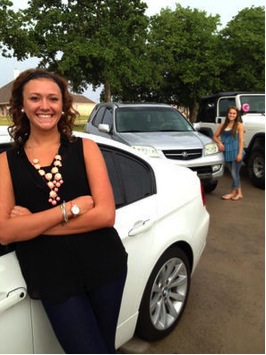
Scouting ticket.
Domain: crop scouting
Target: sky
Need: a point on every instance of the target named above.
(218, 7)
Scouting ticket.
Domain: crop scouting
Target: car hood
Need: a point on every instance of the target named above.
(166, 140)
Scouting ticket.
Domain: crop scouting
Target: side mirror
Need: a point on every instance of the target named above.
(105, 128)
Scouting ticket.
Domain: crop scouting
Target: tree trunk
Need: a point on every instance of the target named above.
(193, 110)
(107, 92)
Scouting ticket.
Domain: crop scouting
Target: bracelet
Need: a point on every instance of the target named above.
(64, 212)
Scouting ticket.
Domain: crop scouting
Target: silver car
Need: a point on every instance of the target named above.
(160, 131)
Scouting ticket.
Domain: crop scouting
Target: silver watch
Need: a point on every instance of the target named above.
(75, 210)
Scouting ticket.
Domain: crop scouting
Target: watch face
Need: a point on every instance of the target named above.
(75, 210)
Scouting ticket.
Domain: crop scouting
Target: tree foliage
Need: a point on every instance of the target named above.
(89, 42)
(13, 35)
(243, 42)
(174, 57)
(183, 47)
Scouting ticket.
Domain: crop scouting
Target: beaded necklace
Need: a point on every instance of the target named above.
(53, 178)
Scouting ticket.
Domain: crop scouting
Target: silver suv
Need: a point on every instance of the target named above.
(160, 131)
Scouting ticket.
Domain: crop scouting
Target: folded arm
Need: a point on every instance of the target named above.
(97, 211)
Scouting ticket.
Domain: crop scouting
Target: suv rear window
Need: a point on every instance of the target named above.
(253, 104)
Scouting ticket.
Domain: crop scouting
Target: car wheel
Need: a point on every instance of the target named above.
(210, 186)
(256, 167)
(165, 295)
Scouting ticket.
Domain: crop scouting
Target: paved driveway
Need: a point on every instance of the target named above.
(225, 312)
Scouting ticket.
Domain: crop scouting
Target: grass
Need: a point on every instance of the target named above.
(5, 121)
(79, 123)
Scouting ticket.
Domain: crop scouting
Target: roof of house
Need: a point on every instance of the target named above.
(81, 99)
(5, 93)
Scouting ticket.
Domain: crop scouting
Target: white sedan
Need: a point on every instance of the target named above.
(163, 222)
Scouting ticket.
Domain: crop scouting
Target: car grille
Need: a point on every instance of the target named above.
(183, 154)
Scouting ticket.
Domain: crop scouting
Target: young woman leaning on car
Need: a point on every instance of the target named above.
(57, 206)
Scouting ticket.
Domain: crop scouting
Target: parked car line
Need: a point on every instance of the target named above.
(160, 131)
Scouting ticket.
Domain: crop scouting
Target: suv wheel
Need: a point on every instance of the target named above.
(256, 167)
(210, 186)
(165, 295)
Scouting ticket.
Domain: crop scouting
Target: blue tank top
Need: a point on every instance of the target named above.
(231, 145)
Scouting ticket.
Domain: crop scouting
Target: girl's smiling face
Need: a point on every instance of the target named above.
(42, 103)
(232, 114)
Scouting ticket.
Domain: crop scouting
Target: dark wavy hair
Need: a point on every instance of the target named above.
(237, 120)
(20, 128)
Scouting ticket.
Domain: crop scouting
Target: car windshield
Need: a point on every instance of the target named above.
(150, 119)
(253, 103)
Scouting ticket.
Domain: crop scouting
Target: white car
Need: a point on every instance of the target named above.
(163, 222)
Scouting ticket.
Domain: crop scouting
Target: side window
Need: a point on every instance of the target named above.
(93, 112)
(224, 103)
(207, 112)
(137, 178)
(108, 117)
(253, 103)
(98, 118)
(114, 177)
(131, 178)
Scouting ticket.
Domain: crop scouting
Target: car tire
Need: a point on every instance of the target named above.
(256, 167)
(165, 295)
(210, 186)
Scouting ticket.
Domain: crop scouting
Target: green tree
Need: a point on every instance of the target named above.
(88, 41)
(243, 44)
(183, 45)
(175, 56)
(12, 33)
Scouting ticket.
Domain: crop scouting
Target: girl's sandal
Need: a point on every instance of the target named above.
(237, 197)
(227, 197)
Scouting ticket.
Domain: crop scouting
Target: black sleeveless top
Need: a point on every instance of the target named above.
(56, 267)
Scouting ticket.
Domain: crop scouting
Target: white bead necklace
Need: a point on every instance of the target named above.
(53, 178)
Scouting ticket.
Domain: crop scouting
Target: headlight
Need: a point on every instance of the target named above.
(152, 152)
(211, 148)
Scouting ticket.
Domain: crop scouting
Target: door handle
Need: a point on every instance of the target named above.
(12, 298)
(139, 227)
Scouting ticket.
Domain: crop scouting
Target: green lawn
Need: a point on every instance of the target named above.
(4, 121)
(79, 124)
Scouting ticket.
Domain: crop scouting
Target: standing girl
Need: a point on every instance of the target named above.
(230, 139)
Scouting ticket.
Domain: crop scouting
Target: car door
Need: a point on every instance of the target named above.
(15, 315)
(134, 189)
(24, 326)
